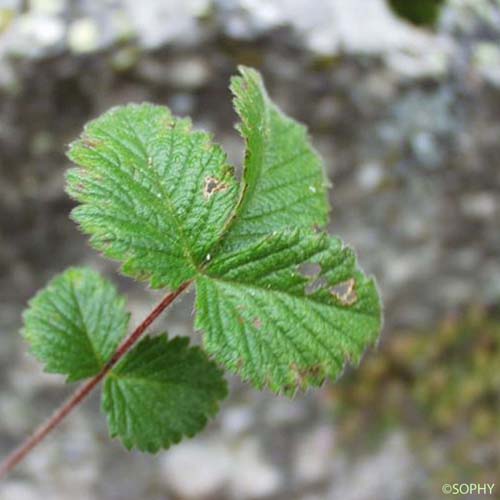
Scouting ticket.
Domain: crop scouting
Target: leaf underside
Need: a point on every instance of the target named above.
(162, 391)
(75, 324)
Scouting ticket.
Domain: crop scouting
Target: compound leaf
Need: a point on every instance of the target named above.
(279, 328)
(154, 194)
(161, 391)
(284, 184)
(75, 324)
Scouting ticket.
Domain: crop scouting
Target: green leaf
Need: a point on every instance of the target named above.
(154, 194)
(161, 391)
(277, 327)
(284, 184)
(75, 324)
(421, 13)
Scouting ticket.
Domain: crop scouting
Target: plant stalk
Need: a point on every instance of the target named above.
(85, 389)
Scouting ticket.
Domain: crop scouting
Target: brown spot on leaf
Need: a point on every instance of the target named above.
(90, 142)
(257, 323)
(345, 292)
(169, 123)
(303, 375)
(213, 185)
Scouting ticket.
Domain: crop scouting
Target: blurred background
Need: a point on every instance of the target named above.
(402, 99)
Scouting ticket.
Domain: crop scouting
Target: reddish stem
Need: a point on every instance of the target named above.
(84, 390)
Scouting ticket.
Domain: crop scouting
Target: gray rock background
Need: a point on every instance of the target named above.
(407, 122)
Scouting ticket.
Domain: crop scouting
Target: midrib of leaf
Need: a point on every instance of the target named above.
(75, 326)
(142, 155)
(246, 188)
(247, 191)
(282, 293)
(257, 130)
(140, 187)
(85, 327)
(166, 196)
